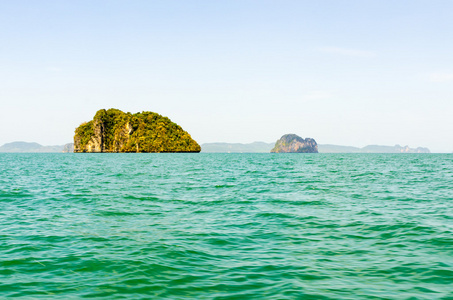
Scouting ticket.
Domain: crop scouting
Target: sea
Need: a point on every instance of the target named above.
(226, 226)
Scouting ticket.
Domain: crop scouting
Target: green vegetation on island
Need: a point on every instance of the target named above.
(115, 131)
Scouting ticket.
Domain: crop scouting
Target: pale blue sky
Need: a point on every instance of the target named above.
(342, 72)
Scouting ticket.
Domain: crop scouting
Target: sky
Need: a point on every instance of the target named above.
(342, 72)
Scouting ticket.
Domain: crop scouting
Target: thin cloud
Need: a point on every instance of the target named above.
(348, 52)
(317, 95)
(53, 69)
(441, 77)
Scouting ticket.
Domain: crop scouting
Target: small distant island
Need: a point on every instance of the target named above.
(115, 131)
(292, 143)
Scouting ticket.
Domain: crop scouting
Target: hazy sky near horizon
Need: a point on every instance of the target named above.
(342, 72)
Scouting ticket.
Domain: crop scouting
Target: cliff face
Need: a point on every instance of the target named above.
(115, 131)
(291, 143)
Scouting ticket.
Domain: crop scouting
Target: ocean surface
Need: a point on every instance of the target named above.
(226, 226)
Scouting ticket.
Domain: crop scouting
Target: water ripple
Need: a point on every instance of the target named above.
(217, 226)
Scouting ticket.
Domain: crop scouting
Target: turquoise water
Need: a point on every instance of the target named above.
(226, 226)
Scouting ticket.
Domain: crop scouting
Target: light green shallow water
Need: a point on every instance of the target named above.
(226, 226)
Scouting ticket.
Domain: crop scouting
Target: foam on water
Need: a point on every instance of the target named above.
(226, 226)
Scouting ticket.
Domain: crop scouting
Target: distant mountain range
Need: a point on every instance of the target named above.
(327, 148)
(256, 147)
(25, 147)
(261, 147)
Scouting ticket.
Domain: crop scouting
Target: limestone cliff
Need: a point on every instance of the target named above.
(115, 131)
(291, 143)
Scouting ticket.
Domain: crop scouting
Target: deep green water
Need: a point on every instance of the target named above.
(226, 226)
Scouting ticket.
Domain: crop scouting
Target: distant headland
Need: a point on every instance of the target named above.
(262, 147)
(255, 147)
(115, 131)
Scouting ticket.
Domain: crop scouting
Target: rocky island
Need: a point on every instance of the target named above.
(115, 131)
(291, 143)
